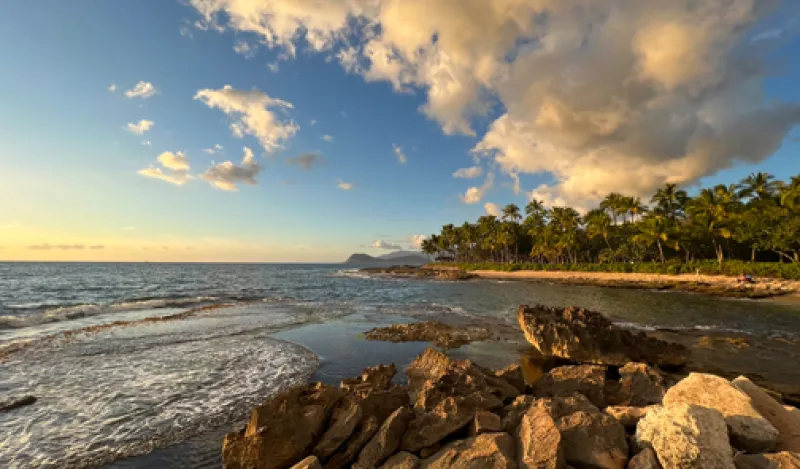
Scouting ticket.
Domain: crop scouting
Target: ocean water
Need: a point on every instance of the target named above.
(116, 388)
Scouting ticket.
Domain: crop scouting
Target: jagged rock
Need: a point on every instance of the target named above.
(564, 381)
(485, 422)
(386, 441)
(486, 451)
(749, 430)
(376, 378)
(639, 385)
(282, 430)
(454, 275)
(593, 439)
(588, 337)
(310, 462)
(440, 334)
(686, 436)
(430, 450)
(513, 413)
(401, 460)
(627, 416)
(787, 423)
(782, 460)
(514, 376)
(645, 459)
(429, 428)
(364, 433)
(559, 407)
(345, 418)
(539, 441)
(382, 403)
(16, 402)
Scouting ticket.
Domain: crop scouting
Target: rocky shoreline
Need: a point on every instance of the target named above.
(616, 399)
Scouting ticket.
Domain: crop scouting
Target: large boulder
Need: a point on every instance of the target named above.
(787, 423)
(386, 441)
(639, 385)
(401, 460)
(564, 381)
(346, 417)
(782, 460)
(486, 451)
(686, 436)
(585, 336)
(749, 430)
(539, 441)
(645, 459)
(429, 428)
(281, 431)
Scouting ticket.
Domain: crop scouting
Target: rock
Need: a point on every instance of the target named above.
(344, 420)
(787, 423)
(376, 378)
(749, 430)
(429, 428)
(430, 450)
(485, 422)
(385, 441)
(627, 416)
(16, 402)
(559, 407)
(344, 458)
(588, 337)
(686, 436)
(486, 451)
(282, 430)
(382, 403)
(441, 335)
(513, 413)
(401, 460)
(310, 462)
(539, 441)
(645, 459)
(593, 439)
(564, 381)
(514, 376)
(640, 385)
(782, 460)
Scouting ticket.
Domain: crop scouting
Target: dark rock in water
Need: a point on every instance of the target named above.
(376, 378)
(454, 275)
(564, 381)
(441, 335)
(588, 337)
(782, 460)
(486, 451)
(386, 440)
(16, 403)
(640, 385)
(281, 431)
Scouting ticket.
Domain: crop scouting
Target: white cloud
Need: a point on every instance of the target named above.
(253, 114)
(387, 245)
(112, 88)
(469, 173)
(139, 128)
(476, 194)
(492, 209)
(227, 175)
(174, 168)
(143, 89)
(312, 122)
(416, 241)
(274, 67)
(147, 143)
(398, 152)
(306, 160)
(345, 186)
(327, 138)
(217, 148)
(245, 48)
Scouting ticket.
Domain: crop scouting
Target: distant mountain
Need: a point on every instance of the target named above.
(397, 258)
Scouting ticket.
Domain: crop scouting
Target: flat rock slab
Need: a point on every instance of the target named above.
(386, 440)
(440, 334)
(486, 451)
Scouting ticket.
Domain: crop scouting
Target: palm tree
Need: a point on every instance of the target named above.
(670, 201)
(712, 211)
(511, 212)
(758, 186)
(598, 224)
(656, 230)
(613, 204)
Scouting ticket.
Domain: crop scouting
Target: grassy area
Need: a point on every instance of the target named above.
(730, 268)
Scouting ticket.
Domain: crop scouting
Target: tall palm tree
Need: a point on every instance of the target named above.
(598, 224)
(612, 203)
(511, 212)
(670, 201)
(656, 230)
(636, 208)
(712, 210)
(760, 186)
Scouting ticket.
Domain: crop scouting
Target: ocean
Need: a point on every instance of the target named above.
(118, 389)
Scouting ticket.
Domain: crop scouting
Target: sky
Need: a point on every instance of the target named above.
(304, 131)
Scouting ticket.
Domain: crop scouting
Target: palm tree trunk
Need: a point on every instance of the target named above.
(753, 254)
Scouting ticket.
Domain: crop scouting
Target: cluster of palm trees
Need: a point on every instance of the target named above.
(757, 219)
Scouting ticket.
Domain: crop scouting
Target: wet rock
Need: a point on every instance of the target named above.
(485, 422)
(486, 451)
(386, 440)
(588, 337)
(514, 376)
(345, 457)
(343, 422)
(12, 403)
(401, 460)
(376, 378)
(513, 413)
(645, 459)
(564, 381)
(627, 416)
(441, 335)
(310, 462)
(782, 460)
(749, 430)
(282, 430)
(593, 439)
(686, 436)
(639, 385)
(431, 427)
(787, 423)
(539, 441)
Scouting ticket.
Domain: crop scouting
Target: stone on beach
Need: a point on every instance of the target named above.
(386, 440)
(787, 423)
(401, 460)
(310, 462)
(645, 459)
(376, 378)
(627, 416)
(486, 451)
(344, 420)
(485, 422)
(432, 427)
(345, 457)
(782, 460)
(539, 441)
(749, 430)
(564, 381)
(512, 413)
(514, 376)
(639, 385)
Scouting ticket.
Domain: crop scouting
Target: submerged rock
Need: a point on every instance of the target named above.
(782, 460)
(749, 430)
(588, 337)
(486, 451)
(16, 402)
(564, 381)
(787, 423)
(440, 334)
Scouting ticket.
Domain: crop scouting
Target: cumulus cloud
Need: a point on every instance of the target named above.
(147, 143)
(398, 152)
(139, 128)
(388, 245)
(306, 160)
(274, 67)
(492, 209)
(476, 194)
(246, 49)
(469, 173)
(252, 114)
(327, 138)
(597, 96)
(227, 175)
(143, 89)
(174, 168)
(416, 241)
(217, 148)
(345, 186)
(112, 88)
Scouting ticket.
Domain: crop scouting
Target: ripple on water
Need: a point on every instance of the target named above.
(127, 391)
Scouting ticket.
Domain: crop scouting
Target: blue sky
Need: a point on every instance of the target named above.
(73, 185)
